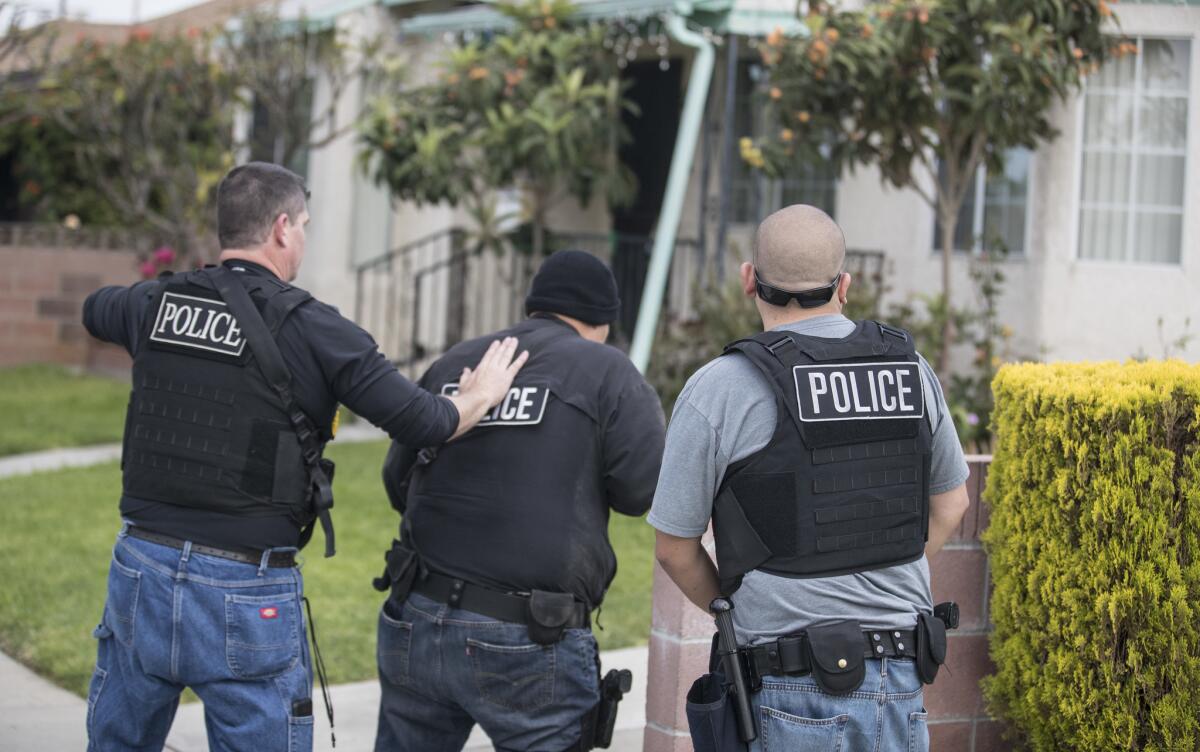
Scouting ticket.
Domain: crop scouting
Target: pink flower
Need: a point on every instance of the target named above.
(148, 269)
(164, 255)
(972, 419)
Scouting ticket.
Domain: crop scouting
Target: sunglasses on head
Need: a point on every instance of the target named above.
(811, 298)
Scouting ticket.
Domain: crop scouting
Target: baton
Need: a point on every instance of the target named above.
(722, 610)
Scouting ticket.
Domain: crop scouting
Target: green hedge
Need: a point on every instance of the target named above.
(1095, 555)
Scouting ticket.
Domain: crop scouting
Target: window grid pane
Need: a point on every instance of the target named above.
(1134, 156)
(993, 213)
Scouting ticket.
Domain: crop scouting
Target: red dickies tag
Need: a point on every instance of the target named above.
(270, 612)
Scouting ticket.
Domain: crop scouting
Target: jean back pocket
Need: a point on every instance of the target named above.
(392, 646)
(783, 731)
(120, 610)
(517, 677)
(262, 634)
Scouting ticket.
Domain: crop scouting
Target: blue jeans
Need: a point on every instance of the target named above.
(233, 632)
(885, 714)
(443, 670)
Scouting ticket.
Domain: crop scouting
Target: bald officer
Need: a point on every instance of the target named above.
(823, 452)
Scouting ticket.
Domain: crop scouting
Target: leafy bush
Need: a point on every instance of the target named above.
(1094, 543)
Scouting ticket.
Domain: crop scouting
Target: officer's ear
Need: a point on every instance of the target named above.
(844, 287)
(279, 229)
(747, 272)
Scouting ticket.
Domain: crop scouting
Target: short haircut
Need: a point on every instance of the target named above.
(251, 196)
(799, 247)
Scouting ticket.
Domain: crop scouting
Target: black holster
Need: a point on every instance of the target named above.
(548, 615)
(400, 573)
(711, 709)
(931, 646)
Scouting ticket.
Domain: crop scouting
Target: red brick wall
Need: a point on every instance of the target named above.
(680, 635)
(41, 299)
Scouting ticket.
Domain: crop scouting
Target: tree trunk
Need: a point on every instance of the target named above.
(949, 225)
(539, 234)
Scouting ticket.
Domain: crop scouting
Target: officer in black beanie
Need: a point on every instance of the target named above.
(503, 550)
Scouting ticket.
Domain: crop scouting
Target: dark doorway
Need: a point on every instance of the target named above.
(659, 96)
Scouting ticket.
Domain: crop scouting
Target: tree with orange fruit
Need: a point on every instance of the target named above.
(927, 90)
(537, 107)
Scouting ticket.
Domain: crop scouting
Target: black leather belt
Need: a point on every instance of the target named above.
(790, 655)
(276, 559)
(509, 607)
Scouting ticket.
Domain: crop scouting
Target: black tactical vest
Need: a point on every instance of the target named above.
(204, 428)
(518, 502)
(843, 486)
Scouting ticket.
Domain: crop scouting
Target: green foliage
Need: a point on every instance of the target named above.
(59, 530)
(537, 106)
(46, 407)
(976, 324)
(149, 125)
(927, 90)
(50, 185)
(1093, 541)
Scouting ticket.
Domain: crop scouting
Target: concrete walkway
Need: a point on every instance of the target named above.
(37, 716)
(57, 459)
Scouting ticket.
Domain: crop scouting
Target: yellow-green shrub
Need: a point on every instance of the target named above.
(1095, 555)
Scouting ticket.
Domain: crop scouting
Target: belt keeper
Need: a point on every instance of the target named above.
(791, 654)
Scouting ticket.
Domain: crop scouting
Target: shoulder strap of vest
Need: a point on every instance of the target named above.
(281, 304)
(270, 361)
(774, 354)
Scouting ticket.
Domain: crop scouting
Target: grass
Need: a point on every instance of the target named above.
(60, 528)
(46, 407)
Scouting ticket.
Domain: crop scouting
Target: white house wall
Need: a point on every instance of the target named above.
(1102, 310)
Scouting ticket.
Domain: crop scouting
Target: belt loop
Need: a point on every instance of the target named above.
(125, 525)
(187, 553)
(264, 561)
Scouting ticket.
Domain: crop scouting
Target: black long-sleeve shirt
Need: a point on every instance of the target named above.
(331, 359)
(522, 501)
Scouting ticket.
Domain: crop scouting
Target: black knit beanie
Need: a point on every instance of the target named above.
(575, 284)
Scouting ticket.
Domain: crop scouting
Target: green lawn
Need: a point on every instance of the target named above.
(45, 407)
(59, 529)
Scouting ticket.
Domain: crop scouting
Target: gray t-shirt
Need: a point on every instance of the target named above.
(726, 413)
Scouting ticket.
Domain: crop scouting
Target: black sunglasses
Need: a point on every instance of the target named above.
(811, 298)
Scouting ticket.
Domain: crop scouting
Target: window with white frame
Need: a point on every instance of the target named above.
(994, 214)
(1134, 155)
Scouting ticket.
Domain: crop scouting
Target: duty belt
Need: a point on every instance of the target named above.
(791, 655)
(276, 559)
(511, 607)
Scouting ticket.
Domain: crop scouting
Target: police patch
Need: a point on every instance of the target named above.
(859, 391)
(522, 406)
(199, 324)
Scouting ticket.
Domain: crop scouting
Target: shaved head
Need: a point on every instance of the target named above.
(798, 247)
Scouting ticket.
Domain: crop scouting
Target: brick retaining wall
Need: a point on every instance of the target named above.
(680, 636)
(41, 298)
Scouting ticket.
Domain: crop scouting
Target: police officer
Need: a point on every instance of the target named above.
(823, 453)
(236, 379)
(504, 546)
